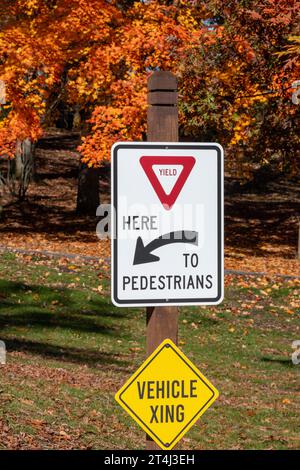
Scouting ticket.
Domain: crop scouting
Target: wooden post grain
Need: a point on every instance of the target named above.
(162, 322)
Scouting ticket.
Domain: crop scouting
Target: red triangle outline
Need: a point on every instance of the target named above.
(167, 200)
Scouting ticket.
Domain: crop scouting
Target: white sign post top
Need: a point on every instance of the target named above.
(167, 233)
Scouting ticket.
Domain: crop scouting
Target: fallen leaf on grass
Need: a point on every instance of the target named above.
(37, 422)
(26, 402)
(264, 292)
(64, 435)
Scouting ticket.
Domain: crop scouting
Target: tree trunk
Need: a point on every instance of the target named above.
(19, 166)
(29, 157)
(88, 190)
(20, 169)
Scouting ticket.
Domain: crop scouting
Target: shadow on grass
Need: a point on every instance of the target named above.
(67, 354)
(287, 362)
(31, 316)
(196, 314)
(31, 307)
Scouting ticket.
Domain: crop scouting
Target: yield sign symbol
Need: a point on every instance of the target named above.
(164, 163)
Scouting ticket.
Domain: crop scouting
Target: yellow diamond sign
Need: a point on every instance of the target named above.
(167, 395)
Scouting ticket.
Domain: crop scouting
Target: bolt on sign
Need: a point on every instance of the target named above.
(167, 395)
(167, 243)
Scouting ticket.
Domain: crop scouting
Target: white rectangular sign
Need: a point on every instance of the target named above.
(167, 226)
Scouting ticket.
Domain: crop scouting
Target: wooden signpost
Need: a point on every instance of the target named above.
(162, 126)
(167, 251)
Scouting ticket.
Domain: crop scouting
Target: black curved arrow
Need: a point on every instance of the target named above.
(143, 254)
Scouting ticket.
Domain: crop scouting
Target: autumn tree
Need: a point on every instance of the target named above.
(90, 53)
(149, 36)
(94, 55)
(237, 88)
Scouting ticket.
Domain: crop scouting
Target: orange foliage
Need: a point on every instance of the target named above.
(92, 53)
(96, 54)
(151, 36)
(236, 88)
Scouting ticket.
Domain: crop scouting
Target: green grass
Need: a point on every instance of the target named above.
(70, 350)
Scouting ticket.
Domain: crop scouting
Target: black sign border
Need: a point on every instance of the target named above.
(167, 444)
(173, 301)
